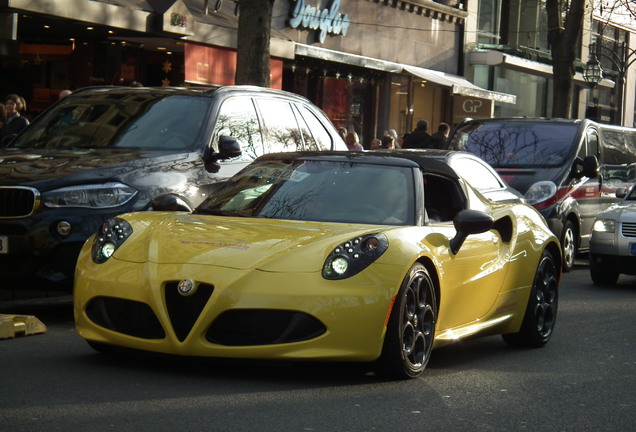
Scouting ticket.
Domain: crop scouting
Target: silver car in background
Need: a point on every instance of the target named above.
(613, 241)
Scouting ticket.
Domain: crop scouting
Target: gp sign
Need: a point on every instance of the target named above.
(328, 20)
(472, 105)
(466, 106)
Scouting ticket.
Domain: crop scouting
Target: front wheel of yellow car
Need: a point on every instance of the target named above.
(540, 316)
(411, 328)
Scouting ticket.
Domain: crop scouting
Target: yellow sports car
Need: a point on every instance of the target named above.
(374, 257)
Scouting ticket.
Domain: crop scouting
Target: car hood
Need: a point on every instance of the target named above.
(32, 167)
(620, 211)
(238, 243)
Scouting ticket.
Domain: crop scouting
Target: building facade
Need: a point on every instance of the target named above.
(507, 50)
(372, 65)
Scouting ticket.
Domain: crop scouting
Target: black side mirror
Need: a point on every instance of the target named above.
(170, 202)
(469, 222)
(229, 148)
(586, 167)
(621, 192)
(590, 166)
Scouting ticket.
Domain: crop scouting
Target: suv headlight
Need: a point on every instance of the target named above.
(540, 191)
(604, 226)
(109, 237)
(353, 256)
(92, 196)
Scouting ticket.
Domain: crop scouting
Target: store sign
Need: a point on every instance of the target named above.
(328, 20)
(208, 65)
(178, 19)
(475, 108)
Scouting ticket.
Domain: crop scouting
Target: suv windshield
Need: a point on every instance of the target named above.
(325, 191)
(127, 119)
(517, 144)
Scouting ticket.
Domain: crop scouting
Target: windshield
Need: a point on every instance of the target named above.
(125, 120)
(324, 191)
(518, 144)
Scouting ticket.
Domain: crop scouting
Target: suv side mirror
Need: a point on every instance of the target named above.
(590, 166)
(229, 147)
(621, 192)
(586, 167)
(469, 222)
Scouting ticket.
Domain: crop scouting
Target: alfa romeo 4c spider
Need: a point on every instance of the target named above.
(374, 257)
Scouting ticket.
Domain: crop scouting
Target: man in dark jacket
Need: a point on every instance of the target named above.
(419, 138)
(438, 139)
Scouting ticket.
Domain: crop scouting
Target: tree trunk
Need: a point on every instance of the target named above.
(563, 39)
(252, 47)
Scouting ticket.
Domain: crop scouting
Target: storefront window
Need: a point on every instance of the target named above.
(533, 93)
(343, 100)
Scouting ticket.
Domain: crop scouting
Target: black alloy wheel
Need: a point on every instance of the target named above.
(411, 330)
(541, 312)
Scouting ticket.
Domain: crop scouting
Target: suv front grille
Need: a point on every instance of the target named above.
(18, 201)
(629, 229)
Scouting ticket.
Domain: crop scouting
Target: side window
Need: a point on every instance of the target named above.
(237, 118)
(477, 175)
(280, 128)
(443, 198)
(314, 132)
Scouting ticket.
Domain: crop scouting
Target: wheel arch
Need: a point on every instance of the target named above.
(432, 271)
(555, 250)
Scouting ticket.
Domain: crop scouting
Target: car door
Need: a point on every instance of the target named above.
(588, 193)
(471, 279)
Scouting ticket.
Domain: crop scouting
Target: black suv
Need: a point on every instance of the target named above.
(104, 151)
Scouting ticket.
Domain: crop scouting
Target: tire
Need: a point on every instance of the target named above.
(411, 330)
(604, 278)
(541, 312)
(569, 246)
(104, 348)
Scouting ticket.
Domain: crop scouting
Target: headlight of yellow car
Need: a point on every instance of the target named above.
(604, 226)
(353, 256)
(110, 236)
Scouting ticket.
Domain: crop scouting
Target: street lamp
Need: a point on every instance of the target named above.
(593, 73)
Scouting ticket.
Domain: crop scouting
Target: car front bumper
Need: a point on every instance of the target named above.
(234, 313)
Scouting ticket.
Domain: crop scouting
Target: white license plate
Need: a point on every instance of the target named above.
(4, 244)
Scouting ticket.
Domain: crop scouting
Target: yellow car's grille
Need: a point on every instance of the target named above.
(184, 310)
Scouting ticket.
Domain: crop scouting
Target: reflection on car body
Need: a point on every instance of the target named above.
(314, 256)
(104, 151)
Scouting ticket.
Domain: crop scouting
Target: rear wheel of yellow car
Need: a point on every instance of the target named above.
(411, 328)
(540, 316)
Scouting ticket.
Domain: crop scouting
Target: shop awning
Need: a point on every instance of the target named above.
(459, 85)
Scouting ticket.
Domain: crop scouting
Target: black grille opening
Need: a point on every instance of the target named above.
(248, 327)
(185, 310)
(16, 201)
(129, 317)
(629, 229)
